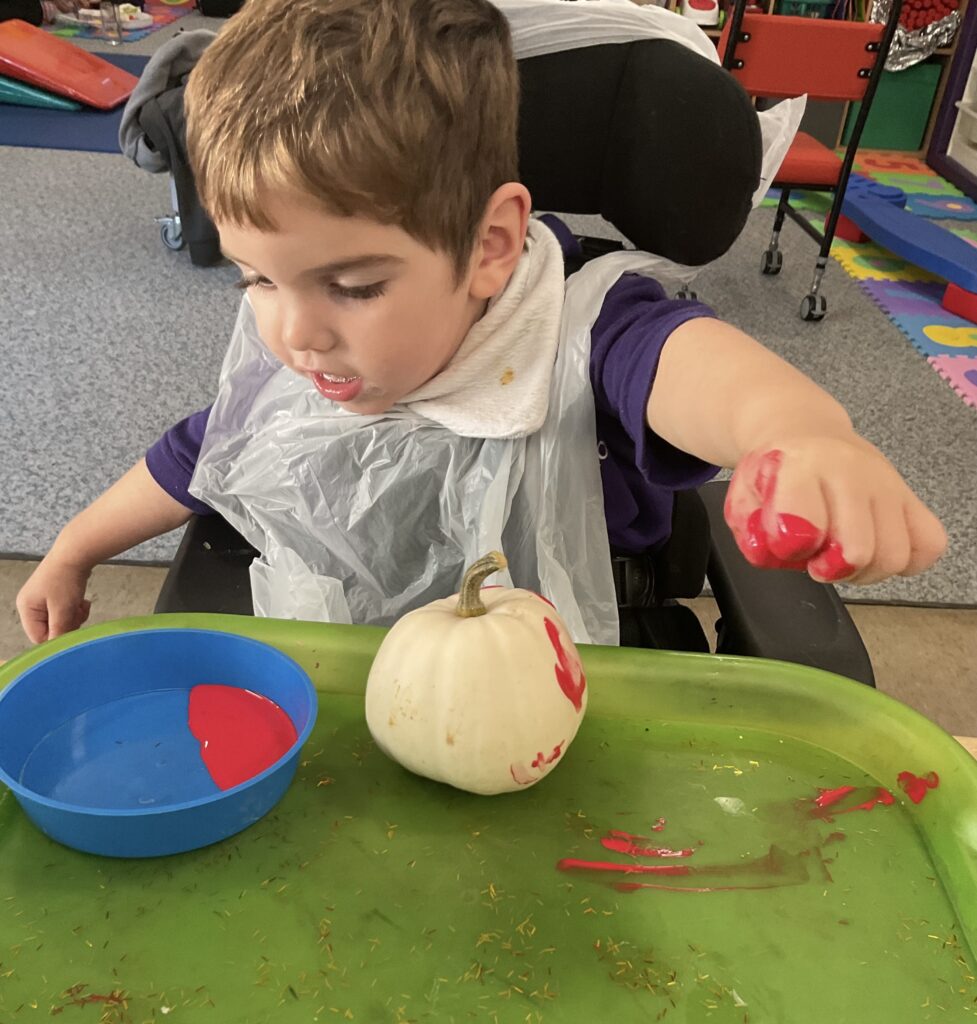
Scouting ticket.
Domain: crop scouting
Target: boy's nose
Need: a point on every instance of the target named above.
(302, 331)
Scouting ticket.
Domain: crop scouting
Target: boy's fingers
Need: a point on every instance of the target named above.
(754, 477)
(851, 545)
(795, 517)
(927, 537)
(778, 519)
(892, 546)
(62, 619)
(34, 622)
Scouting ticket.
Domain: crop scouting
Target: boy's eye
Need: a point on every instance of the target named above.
(252, 281)
(362, 291)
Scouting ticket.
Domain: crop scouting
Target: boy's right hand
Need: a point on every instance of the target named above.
(52, 601)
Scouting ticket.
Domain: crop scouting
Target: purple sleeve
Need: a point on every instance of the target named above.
(173, 458)
(636, 320)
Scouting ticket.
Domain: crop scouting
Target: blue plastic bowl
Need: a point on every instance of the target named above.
(96, 746)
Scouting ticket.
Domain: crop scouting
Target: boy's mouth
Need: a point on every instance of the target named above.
(337, 389)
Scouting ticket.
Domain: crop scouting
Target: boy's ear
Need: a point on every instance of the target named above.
(500, 240)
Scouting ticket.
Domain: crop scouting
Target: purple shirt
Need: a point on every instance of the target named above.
(639, 471)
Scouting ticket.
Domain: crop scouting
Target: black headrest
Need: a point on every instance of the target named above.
(655, 138)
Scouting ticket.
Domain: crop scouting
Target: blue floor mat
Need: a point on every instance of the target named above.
(96, 131)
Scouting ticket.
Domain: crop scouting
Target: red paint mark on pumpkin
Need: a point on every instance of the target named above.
(520, 776)
(915, 787)
(547, 600)
(826, 804)
(569, 672)
(541, 759)
(241, 733)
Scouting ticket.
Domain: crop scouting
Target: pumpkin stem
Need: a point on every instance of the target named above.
(470, 601)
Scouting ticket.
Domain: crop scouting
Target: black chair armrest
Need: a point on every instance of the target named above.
(210, 570)
(768, 613)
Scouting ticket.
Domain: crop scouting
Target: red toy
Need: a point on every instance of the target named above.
(917, 14)
(32, 56)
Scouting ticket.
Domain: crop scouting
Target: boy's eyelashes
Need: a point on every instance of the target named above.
(362, 291)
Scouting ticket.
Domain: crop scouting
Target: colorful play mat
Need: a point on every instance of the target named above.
(910, 297)
(163, 13)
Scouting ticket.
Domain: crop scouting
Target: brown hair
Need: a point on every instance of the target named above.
(402, 111)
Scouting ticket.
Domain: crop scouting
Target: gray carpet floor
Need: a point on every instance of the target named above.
(107, 338)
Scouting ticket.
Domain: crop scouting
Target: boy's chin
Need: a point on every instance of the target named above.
(368, 405)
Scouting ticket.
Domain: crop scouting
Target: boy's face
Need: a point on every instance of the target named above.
(362, 309)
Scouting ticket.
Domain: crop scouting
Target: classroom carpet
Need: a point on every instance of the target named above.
(87, 130)
(908, 296)
(163, 13)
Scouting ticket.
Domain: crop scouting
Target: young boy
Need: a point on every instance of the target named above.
(359, 159)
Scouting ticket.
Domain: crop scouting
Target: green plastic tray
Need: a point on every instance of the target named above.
(372, 895)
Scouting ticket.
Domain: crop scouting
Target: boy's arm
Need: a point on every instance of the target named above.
(807, 491)
(132, 510)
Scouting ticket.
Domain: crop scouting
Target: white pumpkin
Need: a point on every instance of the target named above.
(483, 690)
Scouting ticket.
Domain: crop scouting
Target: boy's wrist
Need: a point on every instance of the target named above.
(72, 552)
(774, 431)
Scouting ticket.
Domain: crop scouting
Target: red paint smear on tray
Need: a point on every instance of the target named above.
(773, 870)
(569, 674)
(241, 733)
(572, 864)
(826, 803)
(624, 842)
(915, 787)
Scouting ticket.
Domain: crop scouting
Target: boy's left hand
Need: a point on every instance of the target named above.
(834, 506)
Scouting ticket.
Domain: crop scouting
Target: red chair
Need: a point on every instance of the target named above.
(776, 56)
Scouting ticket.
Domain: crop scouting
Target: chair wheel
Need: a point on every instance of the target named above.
(813, 307)
(772, 262)
(685, 292)
(171, 232)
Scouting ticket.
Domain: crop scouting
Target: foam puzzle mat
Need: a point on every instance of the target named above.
(910, 297)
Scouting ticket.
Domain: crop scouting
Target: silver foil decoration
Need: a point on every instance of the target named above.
(909, 48)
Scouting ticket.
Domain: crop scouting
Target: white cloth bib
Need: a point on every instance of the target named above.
(497, 384)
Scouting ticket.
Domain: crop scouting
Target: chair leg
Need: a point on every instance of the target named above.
(773, 258)
(814, 305)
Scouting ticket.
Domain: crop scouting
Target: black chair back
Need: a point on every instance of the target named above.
(653, 137)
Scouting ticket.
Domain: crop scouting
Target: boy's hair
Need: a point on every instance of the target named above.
(400, 111)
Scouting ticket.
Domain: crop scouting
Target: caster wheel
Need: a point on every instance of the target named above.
(171, 234)
(813, 307)
(687, 294)
(772, 262)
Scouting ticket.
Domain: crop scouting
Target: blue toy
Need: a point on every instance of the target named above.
(879, 211)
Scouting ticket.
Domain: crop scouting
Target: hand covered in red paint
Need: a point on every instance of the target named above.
(833, 506)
